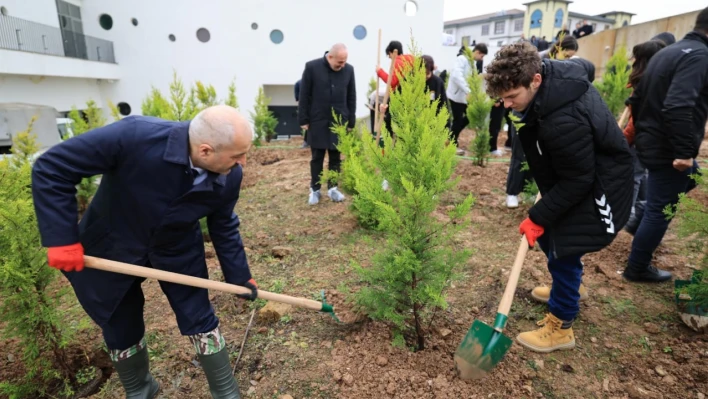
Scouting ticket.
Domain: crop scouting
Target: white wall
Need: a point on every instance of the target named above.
(60, 93)
(474, 31)
(147, 57)
(280, 94)
(41, 11)
(13, 62)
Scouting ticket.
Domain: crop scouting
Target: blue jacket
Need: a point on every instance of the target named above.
(146, 210)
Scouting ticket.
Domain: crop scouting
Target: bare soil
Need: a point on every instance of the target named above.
(630, 340)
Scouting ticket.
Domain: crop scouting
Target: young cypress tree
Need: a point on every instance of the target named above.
(408, 277)
(478, 108)
(613, 85)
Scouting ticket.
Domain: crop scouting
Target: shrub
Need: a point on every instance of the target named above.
(478, 108)
(408, 277)
(264, 122)
(28, 309)
(613, 85)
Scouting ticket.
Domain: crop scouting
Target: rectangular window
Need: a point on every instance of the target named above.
(485, 30)
(499, 27)
(518, 25)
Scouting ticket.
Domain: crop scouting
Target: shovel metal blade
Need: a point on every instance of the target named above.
(481, 349)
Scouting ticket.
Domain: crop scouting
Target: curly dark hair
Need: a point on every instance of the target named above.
(513, 66)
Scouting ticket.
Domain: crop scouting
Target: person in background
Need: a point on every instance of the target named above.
(568, 48)
(457, 89)
(543, 44)
(641, 53)
(297, 100)
(435, 85)
(516, 179)
(399, 68)
(669, 110)
(496, 118)
(328, 86)
(562, 32)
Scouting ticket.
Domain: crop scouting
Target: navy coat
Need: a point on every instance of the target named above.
(146, 212)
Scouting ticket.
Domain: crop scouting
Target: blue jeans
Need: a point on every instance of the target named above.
(663, 188)
(567, 272)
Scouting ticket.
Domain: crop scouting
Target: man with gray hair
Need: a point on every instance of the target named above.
(327, 85)
(159, 178)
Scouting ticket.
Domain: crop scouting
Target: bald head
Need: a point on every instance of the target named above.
(219, 138)
(337, 56)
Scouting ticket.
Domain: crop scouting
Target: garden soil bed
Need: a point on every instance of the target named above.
(630, 341)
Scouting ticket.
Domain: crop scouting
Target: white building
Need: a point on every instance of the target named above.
(494, 30)
(62, 53)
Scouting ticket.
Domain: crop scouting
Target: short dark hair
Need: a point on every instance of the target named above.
(513, 66)
(481, 47)
(702, 21)
(394, 45)
(429, 63)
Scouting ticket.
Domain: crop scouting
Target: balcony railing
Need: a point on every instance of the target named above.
(33, 37)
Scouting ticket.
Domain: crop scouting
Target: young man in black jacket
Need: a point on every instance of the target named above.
(669, 109)
(581, 162)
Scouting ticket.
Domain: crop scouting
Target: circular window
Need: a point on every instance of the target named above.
(360, 32)
(254, 26)
(124, 109)
(276, 36)
(203, 35)
(134, 22)
(172, 37)
(3, 10)
(106, 21)
(410, 8)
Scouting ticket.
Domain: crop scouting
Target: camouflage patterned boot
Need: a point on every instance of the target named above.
(214, 358)
(133, 367)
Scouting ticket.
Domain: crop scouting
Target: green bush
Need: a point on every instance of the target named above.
(264, 122)
(408, 277)
(28, 311)
(613, 85)
(478, 108)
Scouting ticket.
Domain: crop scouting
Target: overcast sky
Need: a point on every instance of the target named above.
(456, 9)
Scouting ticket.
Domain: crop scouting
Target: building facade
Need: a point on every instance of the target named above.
(62, 53)
(541, 18)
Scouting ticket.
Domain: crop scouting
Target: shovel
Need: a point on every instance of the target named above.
(484, 346)
(146, 272)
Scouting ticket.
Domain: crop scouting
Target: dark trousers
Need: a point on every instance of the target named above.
(190, 305)
(317, 165)
(567, 274)
(663, 188)
(496, 116)
(459, 119)
(516, 179)
(639, 199)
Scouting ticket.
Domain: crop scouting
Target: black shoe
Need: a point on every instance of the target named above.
(134, 375)
(649, 275)
(217, 368)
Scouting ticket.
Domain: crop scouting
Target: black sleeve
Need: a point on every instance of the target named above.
(570, 145)
(303, 107)
(351, 101)
(686, 85)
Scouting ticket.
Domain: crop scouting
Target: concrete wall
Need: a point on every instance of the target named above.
(40, 11)
(60, 93)
(599, 47)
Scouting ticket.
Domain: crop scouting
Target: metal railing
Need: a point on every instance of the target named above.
(33, 37)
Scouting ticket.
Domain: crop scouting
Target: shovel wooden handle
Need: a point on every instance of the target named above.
(508, 298)
(146, 272)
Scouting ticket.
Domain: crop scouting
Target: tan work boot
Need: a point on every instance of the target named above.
(543, 294)
(549, 337)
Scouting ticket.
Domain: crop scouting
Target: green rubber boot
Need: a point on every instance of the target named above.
(134, 374)
(217, 368)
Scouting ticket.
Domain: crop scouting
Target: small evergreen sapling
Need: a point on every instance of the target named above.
(232, 100)
(478, 108)
(93, 119)
(408, 277)
(28, 311)
(264, 122)
(613, 85)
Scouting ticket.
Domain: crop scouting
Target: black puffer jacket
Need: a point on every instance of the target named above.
(580, 160)
(670, 104)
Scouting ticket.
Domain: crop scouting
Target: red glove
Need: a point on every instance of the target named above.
(532, 231)
(68, 258)
(254, 290)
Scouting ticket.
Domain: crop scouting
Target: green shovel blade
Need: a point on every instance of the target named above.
(481, 349)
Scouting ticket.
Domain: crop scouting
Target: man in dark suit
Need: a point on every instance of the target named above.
(327, 84)
(159, 178)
